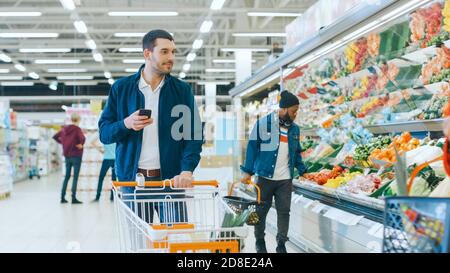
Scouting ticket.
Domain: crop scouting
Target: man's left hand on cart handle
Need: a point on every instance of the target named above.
(184, 180)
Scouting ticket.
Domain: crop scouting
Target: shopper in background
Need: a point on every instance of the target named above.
(273, 151)
(145, 144)
(72, 139)
(109, 157)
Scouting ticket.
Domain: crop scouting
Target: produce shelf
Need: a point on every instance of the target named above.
(368, 207)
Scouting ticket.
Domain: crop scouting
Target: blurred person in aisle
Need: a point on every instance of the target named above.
(155, 147)
(72, 139)
(109, 159)
(273, 151)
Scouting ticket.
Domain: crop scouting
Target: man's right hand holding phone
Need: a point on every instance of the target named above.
(136, 122)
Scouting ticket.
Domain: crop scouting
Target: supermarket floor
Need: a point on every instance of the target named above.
(33, 220)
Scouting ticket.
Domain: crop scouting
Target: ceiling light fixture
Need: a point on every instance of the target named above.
(273, 14)
(206, 26)
(67, 4)
(66, 70)
(90, 44)
(20, 83)
(80, 26)
(59, 61)
(98, 57)
(143, 13)
(44, 50)
(190, 57)
(5, 58)
(20, 67)
(197, 44)
(261, 34)
(28, 35)
(186, 67)
(130, 49)
(74, 77)
(33, 75)
(20, 13)
(217, 4)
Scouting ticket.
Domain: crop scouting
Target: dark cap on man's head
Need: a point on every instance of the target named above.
(288, 99)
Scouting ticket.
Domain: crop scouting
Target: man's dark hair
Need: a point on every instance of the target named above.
(149, 40)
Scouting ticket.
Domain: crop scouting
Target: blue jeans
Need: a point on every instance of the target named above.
(106, 164)
(74, 162)
(169, 212)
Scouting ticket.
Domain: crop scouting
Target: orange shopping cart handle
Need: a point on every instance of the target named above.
(166, 183)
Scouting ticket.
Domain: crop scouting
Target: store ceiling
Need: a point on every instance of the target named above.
(103, 29)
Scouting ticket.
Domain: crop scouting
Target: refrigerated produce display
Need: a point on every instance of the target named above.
(380, 87)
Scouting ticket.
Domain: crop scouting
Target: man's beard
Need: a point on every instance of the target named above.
(286, 121)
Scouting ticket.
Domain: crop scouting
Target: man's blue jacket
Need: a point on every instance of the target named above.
(262, 148)
(179, 127)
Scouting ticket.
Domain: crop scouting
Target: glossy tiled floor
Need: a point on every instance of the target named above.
(33, 220)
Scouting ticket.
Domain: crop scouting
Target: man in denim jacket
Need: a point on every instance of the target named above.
(273, 152)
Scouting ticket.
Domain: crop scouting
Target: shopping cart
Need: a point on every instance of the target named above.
(156, 217)
(418, 224)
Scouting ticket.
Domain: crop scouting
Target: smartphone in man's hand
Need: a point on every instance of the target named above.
(145, 112)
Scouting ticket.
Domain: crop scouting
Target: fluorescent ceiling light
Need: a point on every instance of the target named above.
(213, 70)
(107, 74)
(53, 86)
(214, 82)
(190, 57)
(186, 67)
(182, 75)
(132, 34)
(58, 61)
(28, 35)
(111, 81)
(20, 67)
(4, 70)
(273, 14)
(90, 44)
(197, 44)
(262, 34)
(5, 58)
(130, 49)
(67, 4)
(131, 70)
(12, 78)
(75, 83)
(33, 75)
(20, 13)
(129, 34)
(206, 26)
(80, 26)
(252, 49)
(227, 61)
(21, 83)
(98, 57)
(217, 4)
(66, 70)
(133, 61)
(74, 77)
(143, 13)
(44, 50)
